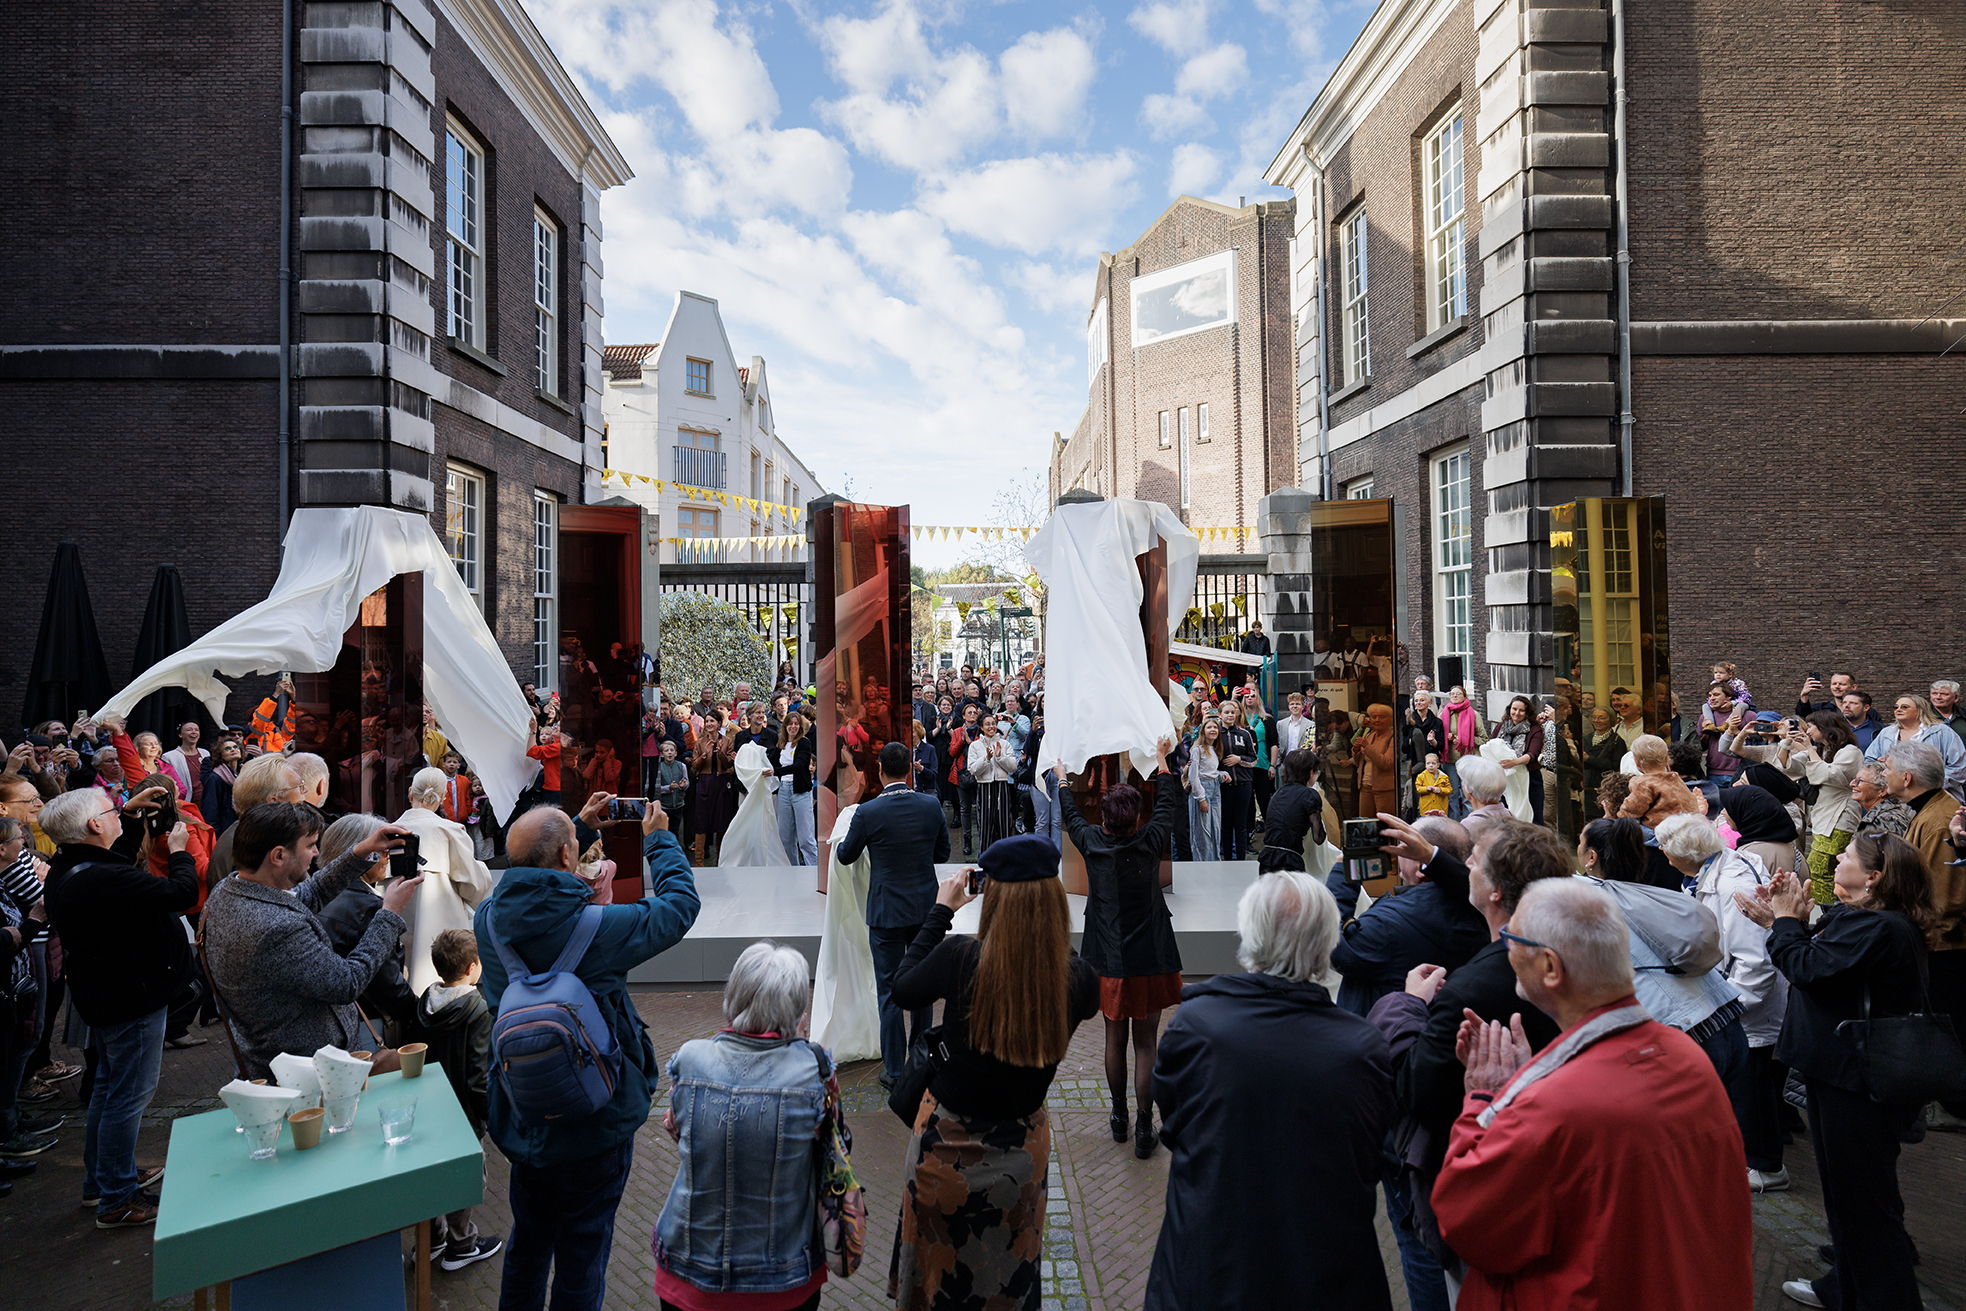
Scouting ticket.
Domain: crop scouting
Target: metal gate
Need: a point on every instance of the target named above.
(775, 599)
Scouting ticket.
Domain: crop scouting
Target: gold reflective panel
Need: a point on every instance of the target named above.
(1609, 625)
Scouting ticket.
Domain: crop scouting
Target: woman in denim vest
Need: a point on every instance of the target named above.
(741, 1223)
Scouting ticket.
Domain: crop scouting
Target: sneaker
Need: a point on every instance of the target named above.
(31, 1125)
(138, 1212)
(148, 1177)
(56, 1071)
(1771, 1181)
(1937, 1117)
(24, 1144)
(480, 1248)
(1802, 1290)
(17, 1169)
(182, 1041)
(34, 1091)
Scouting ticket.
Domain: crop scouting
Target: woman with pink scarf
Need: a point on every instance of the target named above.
(1465, 735)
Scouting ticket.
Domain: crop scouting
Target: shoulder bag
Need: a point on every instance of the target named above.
(1908, 1060)
(927, 1053)
(842, 1202)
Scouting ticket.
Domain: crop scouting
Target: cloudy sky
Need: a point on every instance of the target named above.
(898, 203)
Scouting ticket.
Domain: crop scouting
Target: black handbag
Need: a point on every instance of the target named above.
(927, 1053)
(1909, 1060)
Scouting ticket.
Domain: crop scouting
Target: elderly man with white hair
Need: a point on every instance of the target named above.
(1274, 1103)
(1605, 1171)
(454, 881)
(1483, 783)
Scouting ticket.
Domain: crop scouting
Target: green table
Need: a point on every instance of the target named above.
(224, 1215)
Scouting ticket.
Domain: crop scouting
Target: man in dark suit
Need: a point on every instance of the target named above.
(904, 836)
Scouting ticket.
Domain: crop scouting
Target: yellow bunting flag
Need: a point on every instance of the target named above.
(1215, 608)
(962, 609)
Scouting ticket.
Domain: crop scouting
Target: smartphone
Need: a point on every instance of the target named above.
(627, 808)
(1815, 677)
(161, 820)
(1360, 845)
(406, 859)
(976, 881)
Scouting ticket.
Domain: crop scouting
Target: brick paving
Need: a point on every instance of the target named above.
(1104, 1210)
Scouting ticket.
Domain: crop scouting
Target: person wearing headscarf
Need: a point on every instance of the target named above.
(1764, 824)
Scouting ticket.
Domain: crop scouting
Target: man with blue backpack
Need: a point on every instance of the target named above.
(572, 1069)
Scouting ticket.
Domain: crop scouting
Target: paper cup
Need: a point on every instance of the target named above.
(412, 1054)
(307, 1127)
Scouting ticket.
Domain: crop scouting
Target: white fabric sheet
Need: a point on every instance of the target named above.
(454, 882)
(1100, 694)
(333, 559)
(846, 1019)
(752, 838)
(1515, 785)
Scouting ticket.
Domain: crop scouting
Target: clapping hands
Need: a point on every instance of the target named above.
(1490, 1053)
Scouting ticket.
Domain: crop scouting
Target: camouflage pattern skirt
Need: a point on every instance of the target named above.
(972, 1214)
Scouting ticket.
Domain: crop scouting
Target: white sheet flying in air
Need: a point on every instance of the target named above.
(334, 558)
(1099, 696)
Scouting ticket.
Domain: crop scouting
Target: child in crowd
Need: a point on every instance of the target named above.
(457, 1024)
(1433, 787)
(671, 781)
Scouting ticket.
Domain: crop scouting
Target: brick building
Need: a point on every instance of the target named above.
(215, 321)
(1188, 354)
(1555, 250)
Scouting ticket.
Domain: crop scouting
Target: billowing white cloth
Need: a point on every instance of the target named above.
(752, 838)
(846, 1018)
(333, 559)
(1100, 695)
(1515, 778)
(454, 882)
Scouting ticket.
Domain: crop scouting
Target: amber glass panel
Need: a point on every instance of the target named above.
(1608, 619)
(1356, 652)
(365, 715)
(860, 634)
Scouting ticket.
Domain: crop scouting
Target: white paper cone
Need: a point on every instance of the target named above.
(297, 1072)
(341, 1075)
(257, 1103)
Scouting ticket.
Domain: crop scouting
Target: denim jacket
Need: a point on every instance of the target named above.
(743, 1215)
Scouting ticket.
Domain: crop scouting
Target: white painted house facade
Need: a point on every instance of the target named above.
(686, 413)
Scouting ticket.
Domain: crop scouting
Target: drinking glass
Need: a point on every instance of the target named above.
(398, 1118)
(265, 1140)
(341, 1113)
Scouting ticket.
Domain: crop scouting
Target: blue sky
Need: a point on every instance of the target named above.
(898, 204)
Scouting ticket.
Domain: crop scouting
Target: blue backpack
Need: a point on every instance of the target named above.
(551, 1046)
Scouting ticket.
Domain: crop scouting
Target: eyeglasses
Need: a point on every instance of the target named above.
(1521, 941)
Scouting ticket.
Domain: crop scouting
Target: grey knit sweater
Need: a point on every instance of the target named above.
(280, 981)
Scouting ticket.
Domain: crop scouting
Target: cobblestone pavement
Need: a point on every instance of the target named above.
(1104, 1211)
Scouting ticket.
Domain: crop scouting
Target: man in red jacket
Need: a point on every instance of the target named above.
(1604, 1173)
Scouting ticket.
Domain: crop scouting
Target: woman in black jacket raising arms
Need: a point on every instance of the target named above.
(1129, 935)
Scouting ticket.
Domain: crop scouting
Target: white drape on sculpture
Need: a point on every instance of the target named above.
(846, 1019)
(332, 559)
(1099, 695)
(752, 838)
(1515, 778)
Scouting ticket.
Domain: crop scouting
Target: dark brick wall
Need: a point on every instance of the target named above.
(136, 473)
(1806, 523)
(140, 206)
(1380, 166)
(1796, 161)
(521, 172)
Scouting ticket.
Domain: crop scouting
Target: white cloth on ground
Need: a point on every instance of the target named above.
(846, 1018)
(332, 560)
(1100, 695)
(752, 838)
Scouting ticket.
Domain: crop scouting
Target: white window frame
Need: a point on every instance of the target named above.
(466, 280)
(1450, 479)
(1359, 489)
(1201, 422)
(464, 526)
(1446, 202)
(1223, 262)
(1185, 461)
(709, 387)
(1164, 434)
(546, 302)
(1095, 343)
(546, 591)
(1355, 304)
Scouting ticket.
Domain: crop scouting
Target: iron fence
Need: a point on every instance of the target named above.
(1228, 598)
(774, 598)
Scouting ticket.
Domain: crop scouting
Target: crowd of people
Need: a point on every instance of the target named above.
(1566, 1068)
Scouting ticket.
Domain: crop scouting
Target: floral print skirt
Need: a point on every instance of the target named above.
(972, 1214)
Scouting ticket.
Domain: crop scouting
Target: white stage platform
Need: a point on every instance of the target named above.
(741, 906)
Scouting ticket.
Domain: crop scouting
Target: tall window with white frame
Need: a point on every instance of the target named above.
(464, 240)
(1453, 543)
(1447, 274)
(1186, 443)
(1201, 423)
(464, 527)
(546, 302)
(545, 591)
(1164, 434)
(1355, 343)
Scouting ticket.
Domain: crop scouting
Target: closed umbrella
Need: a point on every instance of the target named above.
(166, 630)
(68, 671)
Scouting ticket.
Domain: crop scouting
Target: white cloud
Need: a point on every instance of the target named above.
(906, 103)
(1166, 117)
(1176, 26)
(1304, 20)
(1038, 203)
(1054, 288)
(703, 58)
(1194, 169)
(1045, 79)
(1214, 72)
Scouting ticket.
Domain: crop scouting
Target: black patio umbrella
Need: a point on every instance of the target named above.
(68, 672)
(166, 630)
